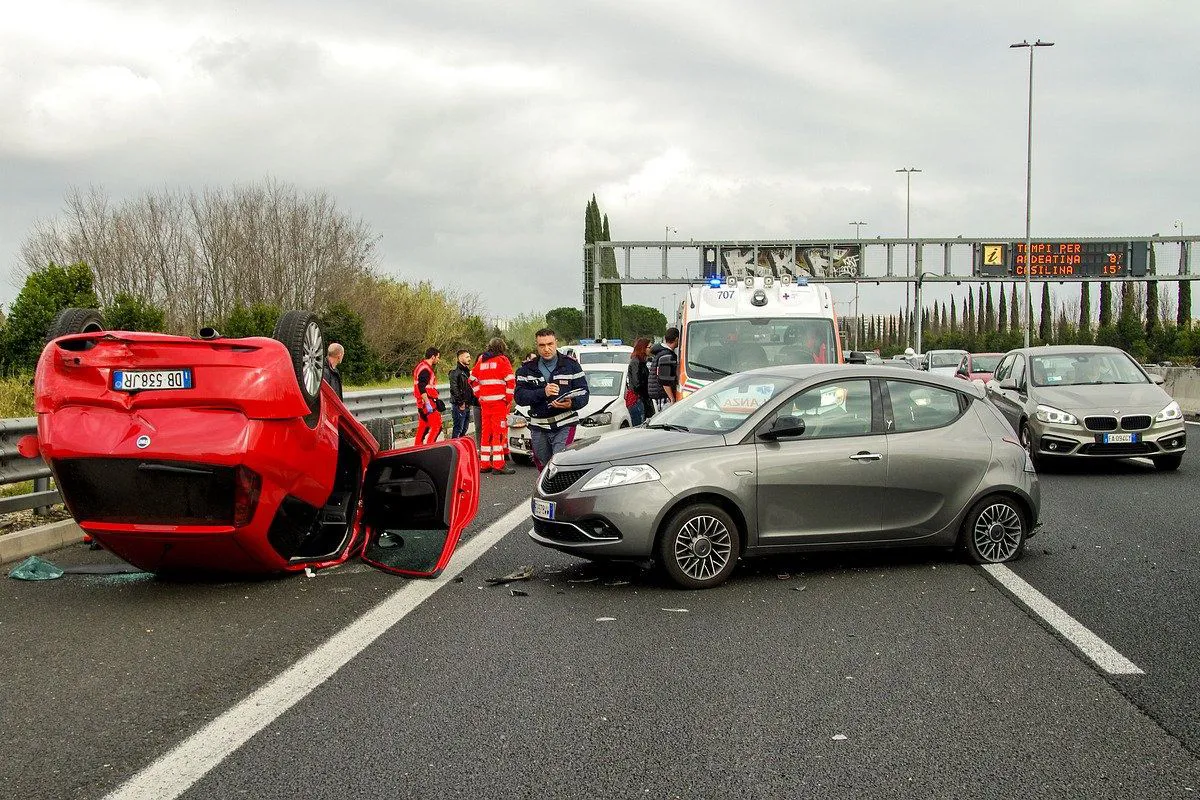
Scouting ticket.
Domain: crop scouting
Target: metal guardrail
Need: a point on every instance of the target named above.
(394, 404)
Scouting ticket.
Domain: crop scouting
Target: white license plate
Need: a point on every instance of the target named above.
(136, 380)
(543, 509)
(1120, 438)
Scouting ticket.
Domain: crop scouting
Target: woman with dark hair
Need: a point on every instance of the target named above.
(637, 392)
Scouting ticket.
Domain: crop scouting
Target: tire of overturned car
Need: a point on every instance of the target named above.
(301, 334)
(74, 320)
(383, 432)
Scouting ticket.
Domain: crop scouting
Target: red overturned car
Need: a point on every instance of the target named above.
(233, 455)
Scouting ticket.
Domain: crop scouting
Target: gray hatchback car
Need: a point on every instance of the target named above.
(1091, 402)
(787, 459)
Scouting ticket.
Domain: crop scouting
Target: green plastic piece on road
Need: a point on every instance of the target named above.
(35, 569)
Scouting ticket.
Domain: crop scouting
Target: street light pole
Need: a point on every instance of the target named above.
(908, 235)
(858, 241)
(1029, 183)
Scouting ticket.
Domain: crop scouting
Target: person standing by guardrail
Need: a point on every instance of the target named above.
(493, 381)
(462, 397)
(429, 420)
(334, 355)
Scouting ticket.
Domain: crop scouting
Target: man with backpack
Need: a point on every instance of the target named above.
(663, 382)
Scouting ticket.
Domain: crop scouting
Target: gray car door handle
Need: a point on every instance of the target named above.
(865, 456)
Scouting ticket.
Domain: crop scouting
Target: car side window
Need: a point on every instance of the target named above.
(831, 410)
(919, 407)
(1018, 371)
(1002, 368)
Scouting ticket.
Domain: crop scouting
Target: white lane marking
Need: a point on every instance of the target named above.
(177, 771)
(1099, 651)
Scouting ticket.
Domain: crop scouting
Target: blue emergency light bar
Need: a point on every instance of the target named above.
(714, 282)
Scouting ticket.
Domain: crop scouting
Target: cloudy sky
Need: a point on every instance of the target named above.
(471, 134)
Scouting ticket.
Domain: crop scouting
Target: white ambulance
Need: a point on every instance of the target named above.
(735, 324)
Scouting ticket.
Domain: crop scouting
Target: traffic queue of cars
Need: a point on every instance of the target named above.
(789, 459)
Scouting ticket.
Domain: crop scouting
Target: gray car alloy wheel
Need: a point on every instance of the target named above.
(703, 547)
(314, 358)
(997, 533)
(699, 546)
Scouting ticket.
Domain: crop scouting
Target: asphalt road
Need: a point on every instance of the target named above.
(865, 675)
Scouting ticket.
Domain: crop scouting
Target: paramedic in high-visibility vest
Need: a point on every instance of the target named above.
(554, 387)
(492, 380)
(429, 419)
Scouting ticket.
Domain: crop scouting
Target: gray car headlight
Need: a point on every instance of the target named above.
(1169, 413)
(1055, 415)
(621, 476)
(602, 418)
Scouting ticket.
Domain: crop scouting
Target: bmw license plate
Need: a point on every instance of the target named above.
(543, 509)
(125, 380)
(1120, 438)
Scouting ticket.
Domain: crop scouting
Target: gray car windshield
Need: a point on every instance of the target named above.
(1084, 369)
(723, 405)
(604, 382)
(719, 347)
(947, 359)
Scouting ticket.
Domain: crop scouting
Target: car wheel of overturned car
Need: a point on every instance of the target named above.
(301, 334)
(995, 531)
(700, 546)
(1027, 442)
(74, 320)
(383, 432)
(1167, 463)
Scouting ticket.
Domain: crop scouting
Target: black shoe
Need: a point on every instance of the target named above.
(484, 470)
(505, 470)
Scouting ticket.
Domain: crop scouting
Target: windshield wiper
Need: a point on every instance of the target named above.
(670, 426)
(710, 368)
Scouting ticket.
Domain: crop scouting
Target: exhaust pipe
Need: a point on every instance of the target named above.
(209, 333)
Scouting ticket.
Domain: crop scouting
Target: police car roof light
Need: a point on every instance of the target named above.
(714, 282)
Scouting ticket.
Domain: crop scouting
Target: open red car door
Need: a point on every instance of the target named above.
(416, 503)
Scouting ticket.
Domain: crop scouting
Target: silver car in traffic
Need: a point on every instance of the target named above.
(786, 459)
(1090, 402)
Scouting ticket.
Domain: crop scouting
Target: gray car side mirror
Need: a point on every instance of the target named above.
(784, 427)
(1158, 379)
(1008, 383)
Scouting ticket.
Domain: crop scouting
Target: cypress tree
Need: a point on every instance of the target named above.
(944, 323)
(1002, 314)
(611, 320)
(1106, 304)
(1047, 321)
(980, 314)
(989, 319)
(970, 315)
(1085, 307)
(589, 269)
(1152, 320)
(953, 316)
(1014, 311)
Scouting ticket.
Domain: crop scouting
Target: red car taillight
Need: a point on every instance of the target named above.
(245, 498)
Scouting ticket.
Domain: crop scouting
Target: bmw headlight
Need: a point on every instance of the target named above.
(601, 418)
(1056, 416)
(1169, 413)
(621, 476)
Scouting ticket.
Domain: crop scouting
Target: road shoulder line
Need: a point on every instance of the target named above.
(1099, 652)
(174, 773)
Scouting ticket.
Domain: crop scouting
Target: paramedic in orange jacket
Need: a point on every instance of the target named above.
(429, 419)
(493, 381)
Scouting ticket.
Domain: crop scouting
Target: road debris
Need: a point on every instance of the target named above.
(679, 610)
(519, 593)
(841, 737)
(606, 619)
(521, 573)
(35, 569)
